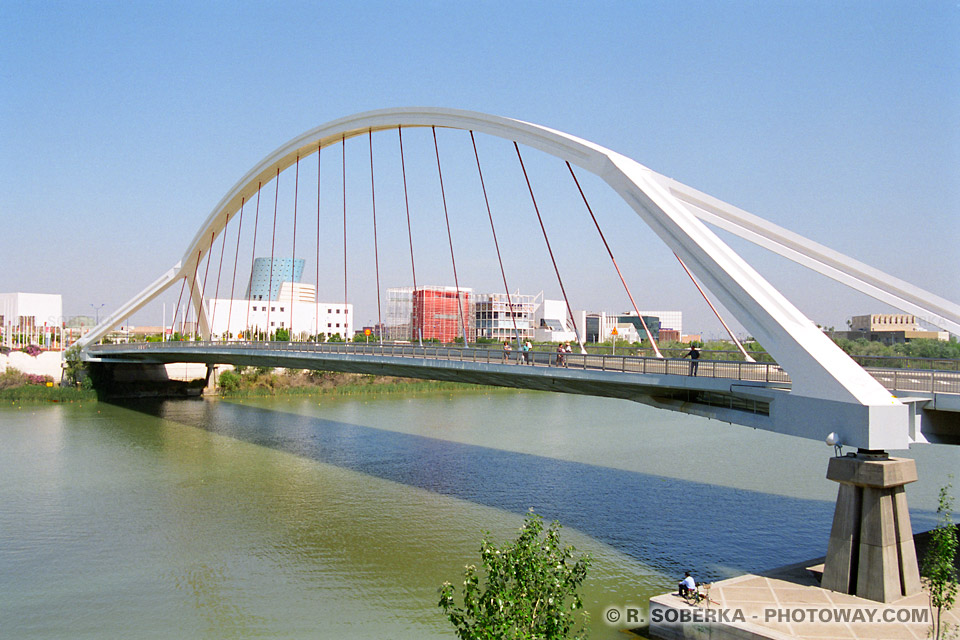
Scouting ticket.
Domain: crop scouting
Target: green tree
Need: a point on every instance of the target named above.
(282, 335)
(939, 565)
(229, 381)
(529, 589)
(74, 366)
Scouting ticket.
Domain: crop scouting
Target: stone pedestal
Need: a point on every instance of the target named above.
(871, 552)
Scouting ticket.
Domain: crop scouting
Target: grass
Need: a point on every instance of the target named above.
(38, 394)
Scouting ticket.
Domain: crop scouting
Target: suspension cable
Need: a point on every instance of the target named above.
(253, 254)
(653, 343)
(446, 215)
(192, 283)
(376, 258)
(236, 257)
(293, 253)
(316, 293)
(406, 201)
(216, 294)
(549, 250)
(343, 170)
(173, 325)
(743, 351)
(273, 242)
(206, 272)
(503, 273)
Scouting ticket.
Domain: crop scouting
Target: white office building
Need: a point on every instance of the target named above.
(295, 309)
(553, 323)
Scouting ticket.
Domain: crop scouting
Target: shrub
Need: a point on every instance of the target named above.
(529, 589)
(229, 381)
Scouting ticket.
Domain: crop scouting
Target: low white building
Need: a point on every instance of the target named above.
(295, 309)
(553, 323)
(31, 315)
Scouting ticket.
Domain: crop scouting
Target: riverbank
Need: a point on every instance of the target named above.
(260, 383)
(42, 394)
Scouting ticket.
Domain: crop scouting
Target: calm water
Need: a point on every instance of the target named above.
(339, 518)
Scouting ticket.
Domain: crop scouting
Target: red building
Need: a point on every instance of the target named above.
(436, 316)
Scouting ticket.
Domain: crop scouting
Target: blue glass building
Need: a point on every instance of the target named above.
(264, 287)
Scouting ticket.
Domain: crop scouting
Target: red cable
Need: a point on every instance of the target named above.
(446, 215)
(376, 258)
(192, 283)
(253, 254)
(653, 342)
(316, 293)
(273, 242)
(233, 284)
(206, 272)
(406, 201)
(343, 149)
(503, 273)
(173, 325)
(293, 255)
(547, 240)
(216, 294)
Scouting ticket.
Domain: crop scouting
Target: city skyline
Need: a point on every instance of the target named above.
(837, 123)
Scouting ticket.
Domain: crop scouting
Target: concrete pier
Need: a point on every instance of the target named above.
(871, 552)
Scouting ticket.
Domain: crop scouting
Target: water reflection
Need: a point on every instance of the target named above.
(668, 523)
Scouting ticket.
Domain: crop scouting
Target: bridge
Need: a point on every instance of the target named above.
(738, 392)
(815, 390)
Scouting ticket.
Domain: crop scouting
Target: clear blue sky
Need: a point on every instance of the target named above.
(122, 125)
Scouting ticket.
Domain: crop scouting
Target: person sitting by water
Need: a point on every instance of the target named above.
(687, 585)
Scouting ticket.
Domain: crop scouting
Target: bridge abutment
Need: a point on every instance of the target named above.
(871, 552)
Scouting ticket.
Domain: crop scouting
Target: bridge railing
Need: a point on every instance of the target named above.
(727, 369)
(894, 379)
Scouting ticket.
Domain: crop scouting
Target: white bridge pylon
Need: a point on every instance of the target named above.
(830, 392)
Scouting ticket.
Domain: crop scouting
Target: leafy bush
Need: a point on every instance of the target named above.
(529, 589)
(32, 350)
(229, 381)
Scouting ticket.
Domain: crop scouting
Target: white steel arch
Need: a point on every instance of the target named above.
(830, 392)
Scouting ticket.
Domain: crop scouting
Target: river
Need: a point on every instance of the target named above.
(325, 517)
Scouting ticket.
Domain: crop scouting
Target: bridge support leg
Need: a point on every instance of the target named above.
(871, 552)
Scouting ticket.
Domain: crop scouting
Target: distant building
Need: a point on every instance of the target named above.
(442, 313)
(30, 316)
(669, 335)
(280, 302)
(501, 319)
(266, 277)
(884, 322)
(668, 320)
(888, 329)
(600, 327)
(554, 323)
(429, 313)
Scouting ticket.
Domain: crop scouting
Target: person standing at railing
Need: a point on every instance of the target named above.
(506, 350)
(694, 355)
(561, 355)
(527, 348)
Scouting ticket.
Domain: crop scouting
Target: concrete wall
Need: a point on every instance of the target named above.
(47, 363)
